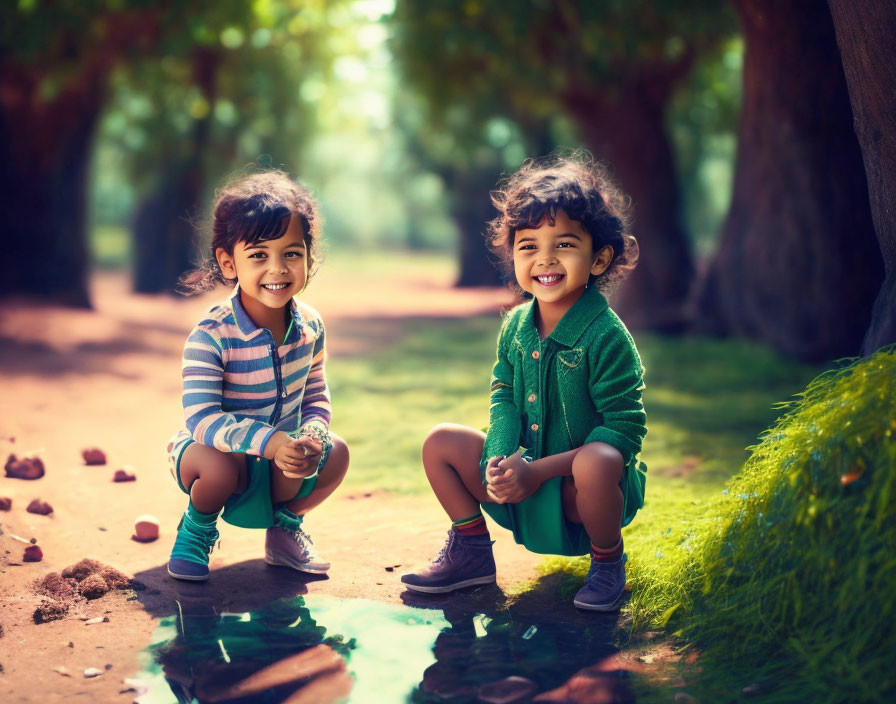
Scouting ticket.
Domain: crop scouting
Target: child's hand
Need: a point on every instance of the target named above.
(510, 480)
(290, 458)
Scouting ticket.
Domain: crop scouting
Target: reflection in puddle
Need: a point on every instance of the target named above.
(323, 649)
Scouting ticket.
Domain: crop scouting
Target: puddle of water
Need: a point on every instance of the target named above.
(324, 649)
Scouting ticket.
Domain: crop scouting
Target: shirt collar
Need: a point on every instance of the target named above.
(247, 326)
(574, 322)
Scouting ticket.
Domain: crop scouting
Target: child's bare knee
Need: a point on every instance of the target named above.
(597, 462)
(337, 463)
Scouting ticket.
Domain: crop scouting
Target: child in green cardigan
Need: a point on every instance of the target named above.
(559, 464)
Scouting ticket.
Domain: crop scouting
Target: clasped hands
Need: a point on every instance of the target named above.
(509, 480)
(298, 457)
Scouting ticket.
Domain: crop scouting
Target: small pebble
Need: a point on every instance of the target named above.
(25, 468)
(122, 475)
(98, 619)
(93, 456)
(62, 671)
(42, 508)
(146, 528)
(5, 503)
(33, 553)
(92, 672)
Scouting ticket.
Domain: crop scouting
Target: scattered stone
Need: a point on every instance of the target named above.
(108, 666)
(102, 529)
(98, 619)
(39, 507)
(390, 568)
(62, 670)
(93, 586)
(510, 689)
(122, 475)
(25, 468)
(51, 610)
(71, 645)
(93, 456)
(28, 541)
(33, 553)
(5, 503)
(146, 528)
(92, 672)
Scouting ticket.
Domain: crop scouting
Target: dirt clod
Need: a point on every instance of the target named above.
(122, 475)
(25, 468)
(93, 587)
(5, 503)
(51, 610)
(82, 569)
(146, 528)
(39, 507)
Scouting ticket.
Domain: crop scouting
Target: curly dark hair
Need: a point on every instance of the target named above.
(254, 207)
(581, 188)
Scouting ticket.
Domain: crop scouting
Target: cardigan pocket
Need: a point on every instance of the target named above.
(571, 358)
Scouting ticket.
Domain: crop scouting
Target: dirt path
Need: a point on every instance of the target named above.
(110, 378)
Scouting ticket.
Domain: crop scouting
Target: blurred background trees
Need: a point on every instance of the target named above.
(729, 125)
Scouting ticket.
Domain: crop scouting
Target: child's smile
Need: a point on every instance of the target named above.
(554, 261)
(269, 272)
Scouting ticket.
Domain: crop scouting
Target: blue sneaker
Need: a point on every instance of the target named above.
(193, 545)
(463, 562)
(603, 587)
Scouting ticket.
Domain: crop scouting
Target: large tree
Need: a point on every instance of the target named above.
(865, 33)
(798, 265)
(609, 67)
(56, 59)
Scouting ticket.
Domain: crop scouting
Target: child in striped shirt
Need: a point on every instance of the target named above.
(257, 447)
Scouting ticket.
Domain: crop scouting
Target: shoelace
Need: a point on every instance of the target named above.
(445, 548)
(200, 538)
(304, 540)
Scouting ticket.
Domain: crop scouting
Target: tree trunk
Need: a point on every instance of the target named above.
(628, 131)
(798, 265)
(164, 230)
(865, 32)
(471, 209)
(45, 149)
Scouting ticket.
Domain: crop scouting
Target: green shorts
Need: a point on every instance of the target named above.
(254, 507)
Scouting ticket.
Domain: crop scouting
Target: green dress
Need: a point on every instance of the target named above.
(581, 384)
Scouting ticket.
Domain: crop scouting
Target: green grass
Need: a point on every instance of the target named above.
(706, 401)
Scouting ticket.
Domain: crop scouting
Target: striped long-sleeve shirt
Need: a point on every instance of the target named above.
(240, 386)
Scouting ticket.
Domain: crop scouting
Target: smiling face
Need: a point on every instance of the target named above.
(553, 262)
(269, 272)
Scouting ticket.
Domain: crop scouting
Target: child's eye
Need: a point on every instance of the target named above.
(295, 254)
(523, 247)
(257, 255)
(564, 244)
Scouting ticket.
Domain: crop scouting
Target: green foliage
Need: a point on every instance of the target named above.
(787, 578)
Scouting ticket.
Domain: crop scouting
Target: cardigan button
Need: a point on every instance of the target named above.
(536, 354)
(532, 398)
(534, 427)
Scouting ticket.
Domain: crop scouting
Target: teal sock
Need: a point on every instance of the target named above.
(206, 519)
(286, 519)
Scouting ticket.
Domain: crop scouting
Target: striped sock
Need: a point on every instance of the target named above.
(474, 525)
(607, 554)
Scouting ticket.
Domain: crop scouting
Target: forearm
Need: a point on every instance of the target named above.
(559, 465)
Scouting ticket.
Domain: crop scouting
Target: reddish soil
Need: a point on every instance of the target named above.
(109, 378)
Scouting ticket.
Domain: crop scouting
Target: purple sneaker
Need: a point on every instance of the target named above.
(463, 562)
(603, 587)
(292, 548)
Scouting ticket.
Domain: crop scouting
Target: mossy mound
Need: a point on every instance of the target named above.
(788, 579)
